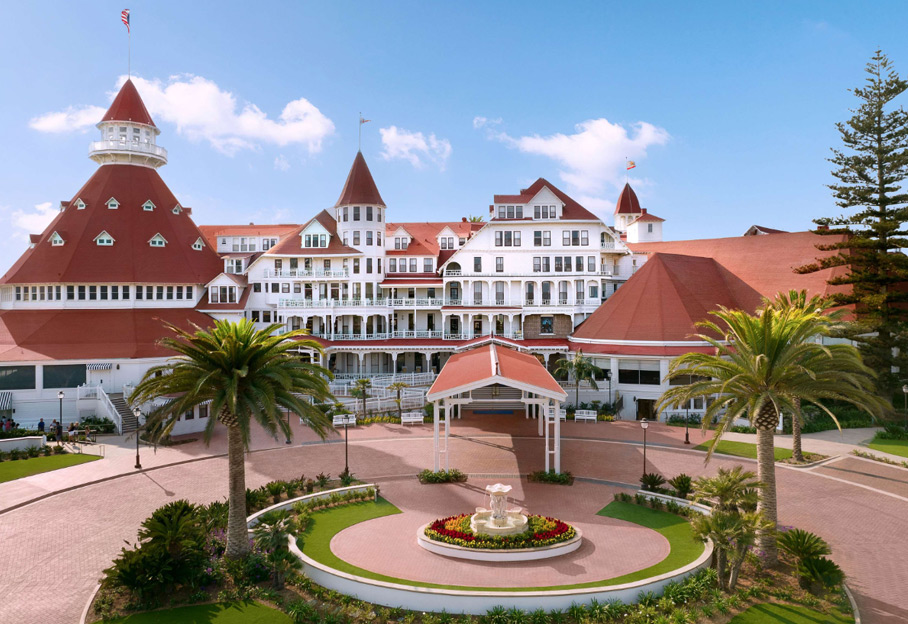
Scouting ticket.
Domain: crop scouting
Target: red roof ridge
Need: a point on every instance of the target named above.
(128, 106)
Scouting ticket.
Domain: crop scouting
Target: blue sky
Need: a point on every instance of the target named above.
(728, 109)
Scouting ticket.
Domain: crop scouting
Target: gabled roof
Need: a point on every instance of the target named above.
(212, 232)
(205, 306)
(492, 364)
(647, 217)
(627, 201)
(572, 210)
(128, 106)
(98, 333)
(291, 245)
(755, 230)
(80, 260)
(360, 188)
(424, 236)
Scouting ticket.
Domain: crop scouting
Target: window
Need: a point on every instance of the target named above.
(203, 410)
(104, 239)
(499, 265)
(80, 205)
(177, 209)
(477, 293)
(355, 266)
(649, 228)
(499, 238)
(477, 264)
(559, 264)
(643, 372)
(378, 238)
(285, 288)
(112, 204)
(413, 267)
(346, 214)
(356, 237)
(392, 265)
(546, 266)
(566, 238)
(92, 293)
(427, 265)
(378, 214)
(103, 291)
(591, 264)
(56, 240)
(17, 377)
(368, 213)
(547, 325)
(537, 238)
(401, 242)
(519, 212)
(157, 241)
(499, 293)
(594, 291)
(160, 292)
(64, 375)
(403, 265)
(502, 211)
(126, 292)
(139, 291)
(447, 242)
(356, 213)
(537, 264)
(148, 206)
(516, 239)
(369, 237)
(530, 292)
(368, 265)
(584, 237)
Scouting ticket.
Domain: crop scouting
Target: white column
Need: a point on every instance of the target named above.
(394, 364)
(435, 434)
(362, 357)
(540, 415)
(558, 437)
(545, 418)
(447, 437)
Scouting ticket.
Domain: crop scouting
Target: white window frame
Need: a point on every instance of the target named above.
(148, 206)
(198, 244)
(112, 204)
(102, 239)
(157, 241)
(56, 240)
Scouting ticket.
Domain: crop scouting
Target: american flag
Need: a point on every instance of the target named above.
(124, 17)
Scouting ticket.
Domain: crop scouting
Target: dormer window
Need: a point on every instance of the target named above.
(104, 239)
(446, 242)
(112, 204)
(315, 240)
(157, 241)
(198, 244)
(177, 209)
(545, 212)
(148, 206)
(80, 205)
(401, 242)
(56, 240)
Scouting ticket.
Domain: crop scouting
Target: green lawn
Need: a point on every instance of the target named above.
(896, 447)
(741, 449)
(771, 613)
(244, 613)
(10, 470)
(316, 542)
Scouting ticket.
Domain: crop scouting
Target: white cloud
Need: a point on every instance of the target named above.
(592, 160)
(414, 147)
(33, 221)
(281, 163)
(202, 111)
(482, 122)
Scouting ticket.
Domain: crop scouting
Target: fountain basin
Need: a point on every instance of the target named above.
(484, 523)
(498, 554)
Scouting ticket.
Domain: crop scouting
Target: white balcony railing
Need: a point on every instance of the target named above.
(293, 303)
(283, 273)
(128, 146)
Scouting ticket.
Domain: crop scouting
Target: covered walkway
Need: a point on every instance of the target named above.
(494, 377)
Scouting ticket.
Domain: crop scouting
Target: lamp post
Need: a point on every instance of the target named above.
(905, 393)
(287, 441)
(687, 424)
(346, 455)
(59, 432)
(138, 415)
(644, 425)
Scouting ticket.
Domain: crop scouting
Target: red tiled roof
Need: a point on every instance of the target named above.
(34, 238)
(291, 245)
(128, 106)
(684, 280)
(90, 334)
(759, 229)
(572, 210)
(489, 361)
(211, 232)
(425, 236)
(360, 187)
(643, 350)
(130, 258)
(646, 217)
(204, 306)
(627, 201)
(418, 279)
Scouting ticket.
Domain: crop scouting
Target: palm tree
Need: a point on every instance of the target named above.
(247, 375)
(763, 361)
(581, 369)
(397, 386)
(361, 391)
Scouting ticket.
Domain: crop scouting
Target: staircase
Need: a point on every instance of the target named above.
(130, 423)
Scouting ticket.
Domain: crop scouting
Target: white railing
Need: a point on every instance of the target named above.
(608, 244)
(383, 380)
(110, 411)
(128, 389)
(306, 273)
(127, 146)
(535, 274)
(86, 392)
(383, 404)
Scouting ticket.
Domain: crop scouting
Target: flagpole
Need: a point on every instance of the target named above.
(625, 170)
(360, 124)
(129, 52)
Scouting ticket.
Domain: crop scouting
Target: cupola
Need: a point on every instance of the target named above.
(128, 134)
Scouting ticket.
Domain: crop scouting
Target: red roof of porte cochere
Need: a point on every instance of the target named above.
(130, 259)
(292, 243)
(90, 334)
(424, 236)
(212, 232)
(488, 361)
(572, 210)
(128, 106)
(360, 187)
(628, 202)
(684, 280)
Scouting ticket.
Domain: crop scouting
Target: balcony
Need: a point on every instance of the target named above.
(427, 303)
(305, 273)
(412, 335)
(111, 150)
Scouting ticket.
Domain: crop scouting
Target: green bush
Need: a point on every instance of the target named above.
(322, 479)
(346, 477)
(652, 481)
(801, 544)
(683, 485)
(255, 500)
(819, 571)
(275, 489)
(442, 476)
(559, 478)
(893, 432)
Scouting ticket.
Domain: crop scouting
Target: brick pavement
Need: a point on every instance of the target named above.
(57, 547)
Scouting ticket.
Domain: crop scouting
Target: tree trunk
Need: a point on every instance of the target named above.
(721, 558)
(237, 537)
(766, 471)
(796, 432)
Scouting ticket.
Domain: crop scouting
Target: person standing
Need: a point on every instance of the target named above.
(59, 432)
(41, 425)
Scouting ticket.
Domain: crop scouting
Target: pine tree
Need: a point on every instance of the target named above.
(870, 168)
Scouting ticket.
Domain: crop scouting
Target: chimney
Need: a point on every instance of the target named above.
(644, 210)
(463, 219)
(491, 209)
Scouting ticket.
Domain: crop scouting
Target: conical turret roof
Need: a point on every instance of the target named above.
(128, 106)
(360, 187)
(628, 202)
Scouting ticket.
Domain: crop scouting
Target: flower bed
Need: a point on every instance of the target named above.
(542, 531)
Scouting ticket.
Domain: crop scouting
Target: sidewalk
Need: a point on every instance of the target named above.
(831, 443)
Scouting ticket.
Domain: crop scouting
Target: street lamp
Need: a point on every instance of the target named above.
(346, 455)
(138, 415)
(59, 432)
(687, 424)
(905, 392)
(644, 425)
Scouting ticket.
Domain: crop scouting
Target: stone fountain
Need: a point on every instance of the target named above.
(499, 520)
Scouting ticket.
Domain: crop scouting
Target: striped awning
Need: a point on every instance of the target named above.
(6, 401)
(102, 366)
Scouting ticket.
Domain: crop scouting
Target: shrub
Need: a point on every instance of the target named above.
(652, 481)
(32, 451)
(683, 485)
(301, 612)
(346, 477)
(322, 479)
(46, 451)
(59, 450)
(819, 571)
(310, 486)
(893, 432)
(801, 544)
(560, 478)
(442, 476)
(255, 500)
(15, 454)
(214, 515)
(275, 489)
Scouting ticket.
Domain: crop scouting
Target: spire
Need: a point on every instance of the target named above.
(360, 187)
(628, 202)
(128, 106)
